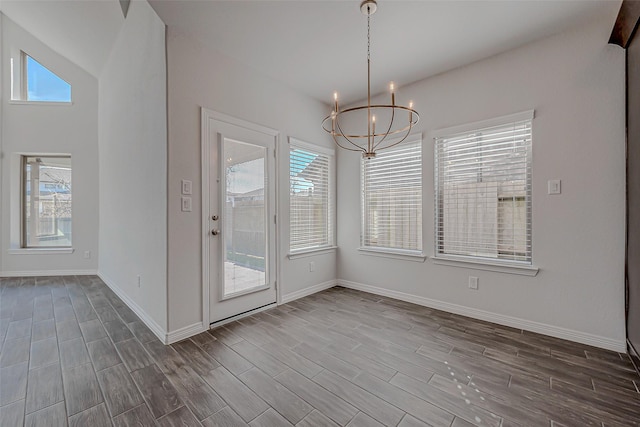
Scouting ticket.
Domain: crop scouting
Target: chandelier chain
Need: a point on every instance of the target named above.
(370, 142)
(368, 37)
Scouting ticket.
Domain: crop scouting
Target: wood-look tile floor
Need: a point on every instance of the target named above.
(74, 354)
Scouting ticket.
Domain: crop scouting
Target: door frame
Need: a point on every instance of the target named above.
(207, 116)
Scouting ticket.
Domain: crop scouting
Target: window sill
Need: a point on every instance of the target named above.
(312, 252)
(394, 254)
(42, 103)
(41, 251)
(523, 270)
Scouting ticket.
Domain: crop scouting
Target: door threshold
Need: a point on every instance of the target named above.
(235, 317)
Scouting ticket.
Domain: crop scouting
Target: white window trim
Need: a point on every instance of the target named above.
(41, 103)
(479, 263)
(40, 251)
(307, 252)
(406, 255)
(411, 255)
(496, 121)
(512, 267)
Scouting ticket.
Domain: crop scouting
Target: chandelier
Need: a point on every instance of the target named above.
(394, 122)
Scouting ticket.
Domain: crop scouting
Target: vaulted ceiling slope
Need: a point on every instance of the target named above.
(318, 47)
(82, 31)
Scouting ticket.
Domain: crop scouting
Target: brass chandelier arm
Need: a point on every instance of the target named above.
(414, 114)
(359, 148)
(386, 134)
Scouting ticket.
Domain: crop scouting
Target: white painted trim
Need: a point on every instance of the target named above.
(292, 296)
(221, 117)
(48, 273)
(206, 116)
(41, 103)
(242, 315)
(184, 332)
(312, 252)
(481, 264)
(482, 124)
(394, 254)
(158, 330)
(204, 197)
(40, 251)
(514, 322)
(298, 143)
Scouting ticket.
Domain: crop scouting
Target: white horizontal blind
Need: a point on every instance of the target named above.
(392, 198)
(310, 198)
(483, 193)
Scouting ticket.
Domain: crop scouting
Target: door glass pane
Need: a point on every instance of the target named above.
(245, 226)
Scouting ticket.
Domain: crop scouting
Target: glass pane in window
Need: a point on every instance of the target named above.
(47, 201)
(44, 85)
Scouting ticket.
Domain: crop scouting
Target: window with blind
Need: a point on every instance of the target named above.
(483, 191)
(392, 199)
(311, 197)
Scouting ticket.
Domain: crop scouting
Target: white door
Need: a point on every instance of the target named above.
(241, 217)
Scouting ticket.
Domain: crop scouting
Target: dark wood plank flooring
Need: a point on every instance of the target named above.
(74, 354)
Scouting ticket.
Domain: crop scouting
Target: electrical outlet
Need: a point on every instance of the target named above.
(553, 186)
(139, 281)
(473, 282)
(87, 254)
(312, 266)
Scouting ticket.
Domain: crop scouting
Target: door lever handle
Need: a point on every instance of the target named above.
(215, 232)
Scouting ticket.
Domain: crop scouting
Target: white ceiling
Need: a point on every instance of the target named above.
(318, 47)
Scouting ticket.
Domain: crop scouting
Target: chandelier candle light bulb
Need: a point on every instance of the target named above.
(344, 124)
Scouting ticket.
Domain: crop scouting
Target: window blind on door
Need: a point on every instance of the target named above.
(392, 198)
(310, 197)
(483, 192)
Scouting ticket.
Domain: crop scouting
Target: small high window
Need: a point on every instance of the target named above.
(37, 83)
(46, 201)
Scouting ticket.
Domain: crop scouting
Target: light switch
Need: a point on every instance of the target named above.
(553, 186)
(186, 204)
(186, 187)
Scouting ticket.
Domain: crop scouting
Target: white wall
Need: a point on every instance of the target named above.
(133, 167)
(575, 83)
(42, 129)
(199, 77)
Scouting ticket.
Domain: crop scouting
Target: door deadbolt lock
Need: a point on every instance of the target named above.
(215, 217)
(215, 232)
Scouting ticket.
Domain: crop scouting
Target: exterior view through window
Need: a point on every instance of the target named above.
(392, 199)
(310, 197)
(483, 192)
(47, 201)
(42, 84)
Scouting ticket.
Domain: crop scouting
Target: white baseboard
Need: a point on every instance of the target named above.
(185, 332)
(307, 291)
(158, 330)
(514, 322)
(40, 273)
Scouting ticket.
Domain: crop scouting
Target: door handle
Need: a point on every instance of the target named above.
(215, 232)
(215, 217)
